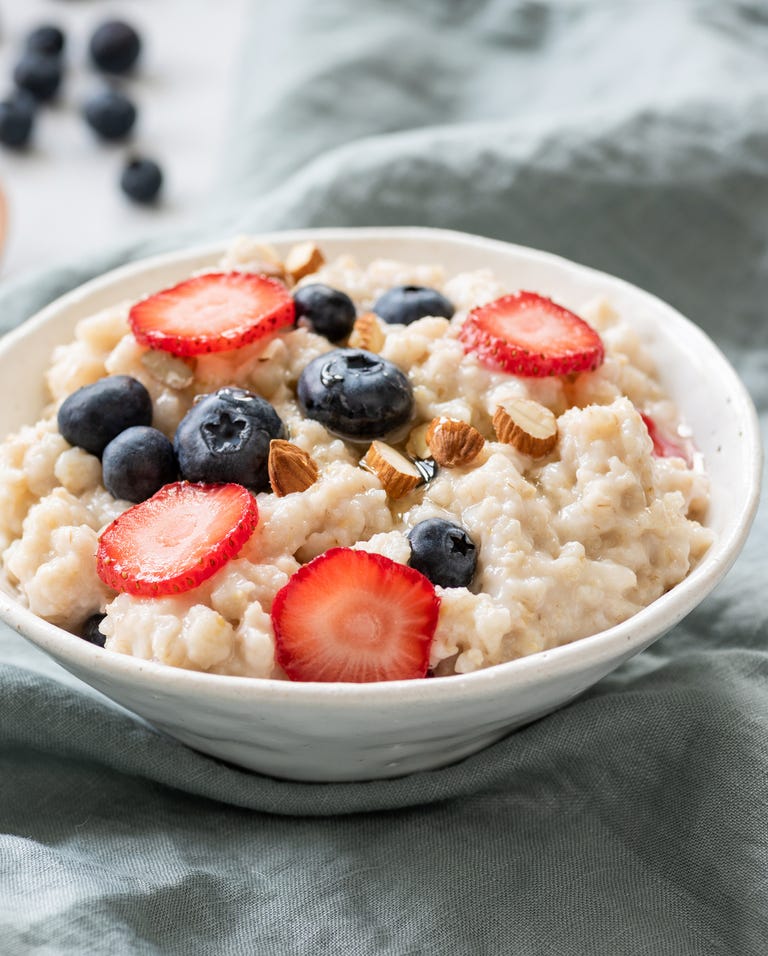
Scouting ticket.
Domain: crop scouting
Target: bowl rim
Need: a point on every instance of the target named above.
(623, 639)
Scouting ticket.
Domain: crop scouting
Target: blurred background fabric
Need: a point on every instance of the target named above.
(632, 137)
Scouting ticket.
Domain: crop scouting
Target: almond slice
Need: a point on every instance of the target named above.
(528, 425)
(396, 473)
(453, 442)
(417, 446)
(303, 259)
(290, 469)
(366, 333)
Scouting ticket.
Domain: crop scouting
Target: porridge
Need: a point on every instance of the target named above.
(333, 471)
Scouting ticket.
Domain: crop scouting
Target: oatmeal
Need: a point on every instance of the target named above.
(411, 449)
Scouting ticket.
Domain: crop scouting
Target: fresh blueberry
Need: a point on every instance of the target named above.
(110, 114)
(137, 463)
(17, 117)
(355, 394)
(91, 632)
(403, 304)
(141, 180)
(95, 414)
(225, 437)
(39, 73)
(443, 552)
(46, 38)
(115, 46)
(324, 310)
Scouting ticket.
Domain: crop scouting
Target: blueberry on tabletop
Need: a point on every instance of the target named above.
(443, 552)
(355, 394)
(110, 114)
(91, 632)
(38, 73)
(324, 310)
(141, 180)
(403, 304)
(137, 463)
(95, 414)
(114, 46)
(17, 117)
(225, 437)
(47, 38)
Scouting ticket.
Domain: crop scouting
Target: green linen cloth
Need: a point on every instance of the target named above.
(629, 136)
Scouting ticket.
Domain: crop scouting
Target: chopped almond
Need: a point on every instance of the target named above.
(303, 259)
(366, 333)
(453, 442)
(528, 425)
(417, 446)
(290, 468)
(396, 473)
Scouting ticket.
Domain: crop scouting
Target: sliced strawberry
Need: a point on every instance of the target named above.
(176, 539)
(527, 334)
(663, 446)
(212, 313)
(356, 617)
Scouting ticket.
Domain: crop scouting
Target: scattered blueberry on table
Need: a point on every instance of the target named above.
(17, 119)
(110, 114)
(39, 73)
(443, 552)
(141, 179)
(115, 46)
(47, 38)
(326, 311)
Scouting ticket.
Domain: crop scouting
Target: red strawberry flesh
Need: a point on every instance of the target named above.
(529, 335)
(176, 539)
(214, 312)
(355, 617)
(664, 447)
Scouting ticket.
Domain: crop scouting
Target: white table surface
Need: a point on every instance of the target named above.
(63, 195)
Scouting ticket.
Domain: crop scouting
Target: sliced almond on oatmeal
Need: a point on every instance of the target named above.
(417, 446)
(303, 259)
(290, 468)
(266, 262)
(526, 424)
(396, 473)
(366, 333)
(170, 370)
(453, 442)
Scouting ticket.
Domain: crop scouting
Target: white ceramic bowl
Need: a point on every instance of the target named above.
(350, 731)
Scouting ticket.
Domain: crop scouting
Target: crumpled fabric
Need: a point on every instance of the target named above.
(632, 138)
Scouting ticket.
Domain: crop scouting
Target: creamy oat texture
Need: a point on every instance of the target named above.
(567, 545)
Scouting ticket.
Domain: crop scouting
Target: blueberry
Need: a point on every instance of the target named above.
(17, 116)
(403, 304)
(443, 552)
(91, 632)
(141, 180)
(46, 38)
(115, 46)
(95, 414)
(137, 463)
(355, 394)
(324, 310)
(39, 73)
(110, 114)
(225, 437)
